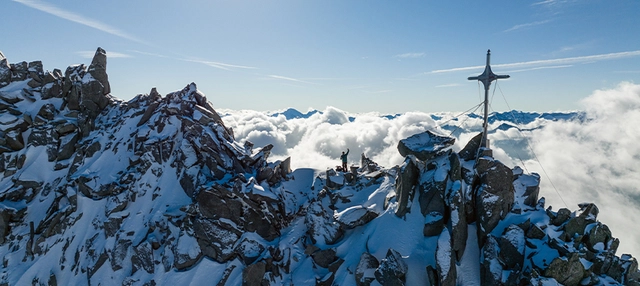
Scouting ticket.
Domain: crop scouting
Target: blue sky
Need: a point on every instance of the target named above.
(358, 56)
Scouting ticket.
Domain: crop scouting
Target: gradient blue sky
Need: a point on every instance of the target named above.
(358, 56)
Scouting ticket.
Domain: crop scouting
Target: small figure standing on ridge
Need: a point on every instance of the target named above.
(343, 157)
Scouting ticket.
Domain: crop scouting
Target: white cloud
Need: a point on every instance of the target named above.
(67, 15)
(318, 141)
(597, 160)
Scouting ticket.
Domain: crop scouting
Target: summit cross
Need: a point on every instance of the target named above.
(486, 78)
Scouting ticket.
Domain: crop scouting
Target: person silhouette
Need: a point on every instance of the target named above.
(343, 157)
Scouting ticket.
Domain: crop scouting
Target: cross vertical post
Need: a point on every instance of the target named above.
(486, 78)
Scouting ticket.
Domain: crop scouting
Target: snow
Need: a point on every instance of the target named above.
(87, 78)
(337, 179)
(350, 215)
(423, 142)
(260, 190)
(469, 268)
(443, 252)
(586, 263)
(432, 217)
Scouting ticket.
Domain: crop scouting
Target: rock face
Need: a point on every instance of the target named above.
(405, 183)
(157, 190)
(494, 195)
(567, 272)
(95, 86)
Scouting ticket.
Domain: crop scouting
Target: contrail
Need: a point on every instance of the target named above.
(289, 79)
(555, 62)
(53, 10)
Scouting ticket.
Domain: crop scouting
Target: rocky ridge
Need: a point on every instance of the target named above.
(157, 191)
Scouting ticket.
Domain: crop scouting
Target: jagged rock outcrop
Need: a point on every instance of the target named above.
(157, 190)
(178, 142)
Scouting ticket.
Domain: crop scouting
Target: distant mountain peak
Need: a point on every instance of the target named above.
(292, 113)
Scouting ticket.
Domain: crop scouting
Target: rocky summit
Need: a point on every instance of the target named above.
(157, 191)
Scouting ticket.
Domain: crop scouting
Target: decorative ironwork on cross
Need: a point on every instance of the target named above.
(486, 78)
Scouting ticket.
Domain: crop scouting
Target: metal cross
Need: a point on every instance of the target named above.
(486, 78)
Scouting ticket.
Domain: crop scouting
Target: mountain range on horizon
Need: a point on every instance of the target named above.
(162, 189)
(514, 116)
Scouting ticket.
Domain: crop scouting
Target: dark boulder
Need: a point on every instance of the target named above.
(470, 150)
(216, 239)
(19, 71)
(253, 274)
(576, 225)
(5, 72)
(512, 247)
(95, 86)
(490, 267)
(567, 271)
(365, 269)
(185, 257)
(405, 185)
(47, 111)
(249, 250)
(323, 228)
(142, 258)
(14, 140)
(494, 195)
(457, 220)
(561, 217)
(325, 257)
(432, 198)
(98, 70)
(355, 216)
(598, 237)
(392, 269)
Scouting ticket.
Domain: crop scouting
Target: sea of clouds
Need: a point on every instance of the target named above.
(597, 160)
(594, 159)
